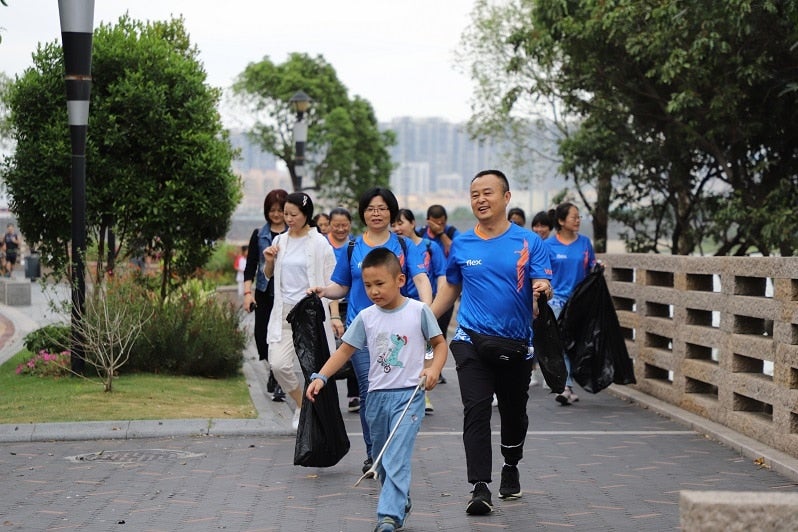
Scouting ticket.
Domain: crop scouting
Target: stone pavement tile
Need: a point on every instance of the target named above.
(250, 483)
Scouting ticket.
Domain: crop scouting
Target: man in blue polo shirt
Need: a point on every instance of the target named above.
(497, 269)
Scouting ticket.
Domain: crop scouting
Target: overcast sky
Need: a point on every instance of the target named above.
(397, 54)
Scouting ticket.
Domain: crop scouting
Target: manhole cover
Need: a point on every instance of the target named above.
(129, 457)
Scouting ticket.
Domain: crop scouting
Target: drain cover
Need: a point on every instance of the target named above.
(129, 457)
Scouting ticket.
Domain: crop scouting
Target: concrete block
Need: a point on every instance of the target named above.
(14, 293)
(733, 511)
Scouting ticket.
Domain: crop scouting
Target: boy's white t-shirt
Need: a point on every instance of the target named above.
(396, 340)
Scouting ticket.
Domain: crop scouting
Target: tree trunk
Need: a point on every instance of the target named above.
(601, 211)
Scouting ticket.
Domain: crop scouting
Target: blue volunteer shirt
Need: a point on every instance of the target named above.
(433, 261)
(348, 272)
(496, 278)
(570, 264)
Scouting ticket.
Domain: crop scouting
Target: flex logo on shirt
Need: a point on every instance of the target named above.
(473, 262)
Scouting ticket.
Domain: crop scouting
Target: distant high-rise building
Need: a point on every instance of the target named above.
(251, 156)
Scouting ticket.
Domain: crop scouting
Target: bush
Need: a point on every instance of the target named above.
(52, 338)
(191, 333)
(220, 270)
(46, 364)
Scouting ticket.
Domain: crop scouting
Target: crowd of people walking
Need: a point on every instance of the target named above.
(389, 295)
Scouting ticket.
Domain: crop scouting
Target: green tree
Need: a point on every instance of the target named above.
(5, 126)
(516, 102)
(158, 160)
(698, 101)
(346, 153)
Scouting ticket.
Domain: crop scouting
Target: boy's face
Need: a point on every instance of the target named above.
(382, 286)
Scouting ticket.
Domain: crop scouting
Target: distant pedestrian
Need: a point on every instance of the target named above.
(258, 293)
(240, 264)
(433, 261)
(543, 223)
(11, 240)
(439, 230)
(322, 222)
(395, 331)
(498, 269)
(339, 236)
(517, 216)
(572, 257)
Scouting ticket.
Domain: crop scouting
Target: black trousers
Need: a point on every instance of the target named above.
(479, 380)
(264, 301)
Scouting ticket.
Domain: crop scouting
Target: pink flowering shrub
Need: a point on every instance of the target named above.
(46, 364)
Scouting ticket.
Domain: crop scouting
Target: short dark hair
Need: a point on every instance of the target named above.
(382, 257)
(278, 196)
(542, 218)
(385, 194)
(497, 173)
(436, 211)
(340, 211)
(517, 211)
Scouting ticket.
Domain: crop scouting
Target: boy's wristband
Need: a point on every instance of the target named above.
(314, 376)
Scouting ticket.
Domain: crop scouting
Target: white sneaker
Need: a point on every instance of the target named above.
(295, 420)
(536, 378)
(567, 397)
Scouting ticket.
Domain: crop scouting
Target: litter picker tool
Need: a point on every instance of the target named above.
(372, 471)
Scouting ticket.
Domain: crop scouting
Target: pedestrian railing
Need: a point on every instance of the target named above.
(717, 336)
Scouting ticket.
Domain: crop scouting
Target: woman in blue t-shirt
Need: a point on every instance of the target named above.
(378, 209)
(572, 257)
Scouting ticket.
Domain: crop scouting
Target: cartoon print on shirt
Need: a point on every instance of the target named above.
(390, 345)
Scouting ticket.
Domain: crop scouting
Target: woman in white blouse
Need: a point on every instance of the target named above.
(297, 259)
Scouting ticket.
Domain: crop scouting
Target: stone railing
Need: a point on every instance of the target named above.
(716, 336)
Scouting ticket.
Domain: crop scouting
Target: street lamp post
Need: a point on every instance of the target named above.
(301, 103)
(77, 28)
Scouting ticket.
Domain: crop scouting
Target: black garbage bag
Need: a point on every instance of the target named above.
(548, 347)
(592, 338)
(321, 439)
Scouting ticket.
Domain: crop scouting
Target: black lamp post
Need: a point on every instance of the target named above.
(301, 103)
(77, 28)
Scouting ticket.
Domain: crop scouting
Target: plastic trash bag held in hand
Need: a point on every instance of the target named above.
(321, 439)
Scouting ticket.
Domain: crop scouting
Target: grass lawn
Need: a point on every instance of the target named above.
(30, 399)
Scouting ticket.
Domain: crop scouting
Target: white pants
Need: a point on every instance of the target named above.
(282, 356)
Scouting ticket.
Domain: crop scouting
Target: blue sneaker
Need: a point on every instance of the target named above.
(408, 508)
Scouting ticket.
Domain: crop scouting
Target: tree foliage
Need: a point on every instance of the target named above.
(158, 159)
(345, 154)
(694, 104)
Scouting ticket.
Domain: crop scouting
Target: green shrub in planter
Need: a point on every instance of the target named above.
(52, 338)
(191, 333)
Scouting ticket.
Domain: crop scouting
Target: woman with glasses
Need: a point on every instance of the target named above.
(378, 210)
(572, 257)
(339, 237)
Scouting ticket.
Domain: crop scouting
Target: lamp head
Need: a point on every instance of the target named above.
(300, 101)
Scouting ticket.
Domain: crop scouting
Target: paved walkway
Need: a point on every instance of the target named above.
(614, 461)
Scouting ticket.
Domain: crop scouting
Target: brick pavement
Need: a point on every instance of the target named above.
(602, 464)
